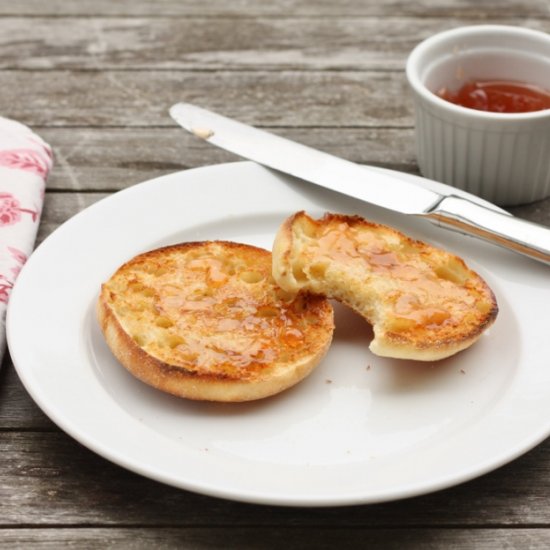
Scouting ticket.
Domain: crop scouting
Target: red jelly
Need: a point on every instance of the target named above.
(499, 96)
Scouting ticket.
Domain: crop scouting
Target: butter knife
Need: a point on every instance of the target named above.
(375, 187)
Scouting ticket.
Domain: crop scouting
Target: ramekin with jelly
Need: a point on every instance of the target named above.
(482, 111)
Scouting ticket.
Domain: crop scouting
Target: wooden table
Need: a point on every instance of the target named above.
(95, 79)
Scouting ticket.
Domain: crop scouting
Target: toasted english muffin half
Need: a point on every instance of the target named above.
(206, 321)
(422, 302)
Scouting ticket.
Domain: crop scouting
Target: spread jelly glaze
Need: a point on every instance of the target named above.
(499, 96)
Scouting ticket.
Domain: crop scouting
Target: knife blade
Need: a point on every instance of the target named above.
(375, 187)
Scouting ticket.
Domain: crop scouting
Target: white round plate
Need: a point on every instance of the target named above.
(359, 429)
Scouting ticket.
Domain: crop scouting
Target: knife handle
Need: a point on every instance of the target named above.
(465, 216)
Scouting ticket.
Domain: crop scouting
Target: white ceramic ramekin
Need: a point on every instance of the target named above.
(504, 158)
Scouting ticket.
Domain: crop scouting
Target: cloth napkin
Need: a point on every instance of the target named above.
(25, 161)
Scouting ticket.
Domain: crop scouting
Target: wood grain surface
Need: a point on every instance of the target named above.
(95, 79)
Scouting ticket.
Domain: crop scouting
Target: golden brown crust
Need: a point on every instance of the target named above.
(206, 321)
(423, 302)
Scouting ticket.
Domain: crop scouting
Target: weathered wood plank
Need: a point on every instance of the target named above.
(99, 159)
(538, 212)
(135, 98)
(58, 208)
(244, 538)
(46, 478)
(212, 43)
(114, 158)
(281, 8)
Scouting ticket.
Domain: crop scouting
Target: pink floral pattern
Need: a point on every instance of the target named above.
(10, 210)
(5, 288)
(20, 257)
(30, 160)
(6, 284)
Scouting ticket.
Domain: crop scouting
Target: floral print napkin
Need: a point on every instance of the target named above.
(25, 161)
